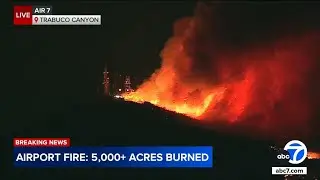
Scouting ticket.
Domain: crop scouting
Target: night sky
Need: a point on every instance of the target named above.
(67, 62)
(57, 65)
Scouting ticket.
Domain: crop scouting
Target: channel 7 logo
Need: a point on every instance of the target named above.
(297, 152)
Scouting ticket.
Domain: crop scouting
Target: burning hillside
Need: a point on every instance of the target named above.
(206, 79)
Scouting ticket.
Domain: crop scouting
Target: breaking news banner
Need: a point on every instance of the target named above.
(42, 15)
(57, 152)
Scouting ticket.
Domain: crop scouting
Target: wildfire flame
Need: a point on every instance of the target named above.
(313, 155)
(184, 107)
(200, 79)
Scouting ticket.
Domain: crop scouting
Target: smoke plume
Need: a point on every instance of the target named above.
(217, 69)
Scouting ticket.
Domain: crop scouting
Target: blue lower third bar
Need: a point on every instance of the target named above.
(151, 157)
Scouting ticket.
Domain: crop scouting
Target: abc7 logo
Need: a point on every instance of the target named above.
(282, 156)
(297, 152)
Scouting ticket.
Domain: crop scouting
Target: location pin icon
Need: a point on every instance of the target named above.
(36, 19)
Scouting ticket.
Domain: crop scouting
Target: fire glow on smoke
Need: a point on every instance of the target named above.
(202, 80)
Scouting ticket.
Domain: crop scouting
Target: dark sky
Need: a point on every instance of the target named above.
(67, 62)
(131, 34)
(57, 64)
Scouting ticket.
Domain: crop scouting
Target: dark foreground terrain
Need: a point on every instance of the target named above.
(114, 122)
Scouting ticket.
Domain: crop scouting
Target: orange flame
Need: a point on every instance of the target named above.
(186, 107)
(313, 155)
(200, 79)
